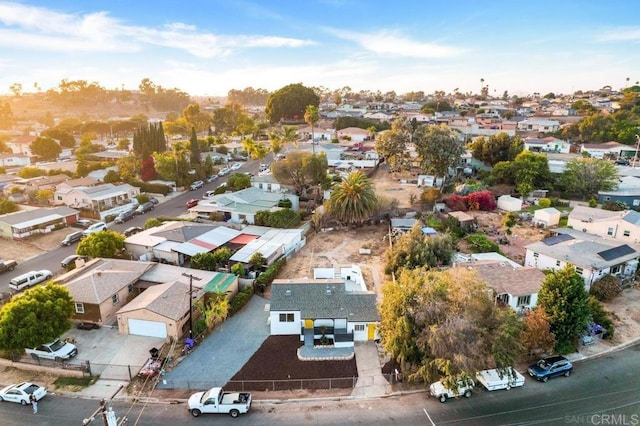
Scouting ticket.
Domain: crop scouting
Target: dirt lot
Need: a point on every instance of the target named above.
(34, 245)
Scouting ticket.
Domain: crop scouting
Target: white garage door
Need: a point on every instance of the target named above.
(147, 328)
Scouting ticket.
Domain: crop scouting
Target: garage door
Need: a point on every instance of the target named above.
(147, 328)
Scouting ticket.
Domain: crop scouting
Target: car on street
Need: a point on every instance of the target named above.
(71, 260)
(96, 227)
(235, 166)
(74, 237)
(212, 178)
(21, 392)
(440, 391)
(224, 171)
(551, 366)
(192, 203)
(145, 207)
(83, 223)
(132, 231)
(196, 185)
(125, 216)
(622, 162)
(29, 279)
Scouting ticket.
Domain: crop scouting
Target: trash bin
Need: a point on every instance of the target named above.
(154, 352)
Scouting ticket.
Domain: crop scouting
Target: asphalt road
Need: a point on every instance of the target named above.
(172, 207)
(604, 391)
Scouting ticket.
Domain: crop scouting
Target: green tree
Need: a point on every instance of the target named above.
(290, 102)
(353, 200)
(45, 148)
(442, 324)
(101, 244)
(413, 249)
(8, 206)
(29, 172)
(204, 261)
(587, 176)
(566, 304)
(276, 142)
(44, 196)
(392, 144)
(65, 138)
(123, 144)
(311, 117)
(496, 148)
(257, 260)
(152, 223)
(438, 148)
(300, 170)
(530, 171)
(238, 181)
(39, 315)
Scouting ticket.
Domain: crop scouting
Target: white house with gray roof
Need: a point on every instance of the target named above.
(312, 308)
(592, 256)
(618, 225)
(242, 206)
(37, 221)
(107, 199)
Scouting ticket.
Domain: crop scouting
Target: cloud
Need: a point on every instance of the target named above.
(34, 28)
(620, 34)
(391, 43)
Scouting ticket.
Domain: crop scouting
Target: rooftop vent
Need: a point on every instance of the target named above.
(287, 293)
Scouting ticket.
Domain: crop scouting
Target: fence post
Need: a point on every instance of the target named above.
(129, 368)
(88, 367)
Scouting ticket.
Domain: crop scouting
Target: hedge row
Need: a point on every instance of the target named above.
(270, 274)
(240, 300)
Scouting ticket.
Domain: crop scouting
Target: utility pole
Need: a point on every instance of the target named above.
(191, 278)
(105, 411)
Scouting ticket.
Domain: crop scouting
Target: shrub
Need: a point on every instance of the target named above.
(601, 317)
(544, 203)
(285, 218)
(606, 288)
(154, 188)
(481, 200)
(593, 202)
(240, 300)
(272, 271)
(615, 206)
(480, 243)
(456, 203)
(237, 269)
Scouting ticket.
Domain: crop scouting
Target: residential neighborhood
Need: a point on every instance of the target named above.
(299, 241)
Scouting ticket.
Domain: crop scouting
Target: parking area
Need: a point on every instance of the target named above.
(111, 355)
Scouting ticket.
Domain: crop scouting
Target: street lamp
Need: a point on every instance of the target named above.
(191, 278)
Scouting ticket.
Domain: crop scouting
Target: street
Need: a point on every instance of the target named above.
(600, 392)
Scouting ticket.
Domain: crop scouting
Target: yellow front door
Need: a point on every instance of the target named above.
(308, 323)
(371, 331)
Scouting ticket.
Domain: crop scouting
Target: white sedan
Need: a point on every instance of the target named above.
(236, 166)
(20, 393)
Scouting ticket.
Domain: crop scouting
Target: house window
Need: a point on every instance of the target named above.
(358, 327)
(579, 271)
(286, 317)
(557, 263)
(115, 299)
(607, 198)
(609, 231)
(79, 308)
(616, 269)
(636, 203)
(536, 254)
(524, 300)
(626, 233)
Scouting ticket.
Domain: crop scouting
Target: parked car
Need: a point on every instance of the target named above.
(263, 167)
(212, 178)
(83, 223)
(132, 231)
(145, 207)
(154, 200)
(196, 185)
(74, 237)
(125, 216)
(96, 227)
(224, 171)
(29, 279)
(87, 326)
(209, 194)
(235, 166)
(551, 366)
(71, 260)
(443, 393)
(8, 265)
(216, 400)
(622, 162)
(21, 393)
(57, 350)
(192, 203)
(496, 379)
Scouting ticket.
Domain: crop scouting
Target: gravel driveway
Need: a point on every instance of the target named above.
(216, 360)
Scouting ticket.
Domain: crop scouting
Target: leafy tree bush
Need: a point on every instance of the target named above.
(285, 203)
(101, 244)
(8, 206)
(31, 172)
(238, 269)
(153, 188)
(544, 203)
(601, 317)
(240, 300)
(272, 271)
(593, 202)
(480, 243)
(203, 261)
(142, 198)
(456, 203)
(606, 288)
(536, 336)
(152, 223)
(616, 206)
(285, 218)
(481, 200)
(414, 249)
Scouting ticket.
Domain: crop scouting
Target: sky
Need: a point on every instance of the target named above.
(207, 47)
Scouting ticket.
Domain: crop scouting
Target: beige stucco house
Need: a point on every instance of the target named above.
(618, 225)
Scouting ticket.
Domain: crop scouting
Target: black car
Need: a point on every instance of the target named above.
(551, 366)
(74, 237)
(125, 216)
(131, 231)
(146, 207)
(71, 260)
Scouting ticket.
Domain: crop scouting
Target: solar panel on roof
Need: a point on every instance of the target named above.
(616, 252)
(552, 241)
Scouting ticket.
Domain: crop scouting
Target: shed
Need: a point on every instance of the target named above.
(466, 220)
(546, 217)
(509, 203)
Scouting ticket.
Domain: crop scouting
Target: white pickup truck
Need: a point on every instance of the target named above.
(216, 400)
(56, 350)
(495, 379)
(443, 393)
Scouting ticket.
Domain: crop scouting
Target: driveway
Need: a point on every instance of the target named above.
(112, 355)
(216, 360)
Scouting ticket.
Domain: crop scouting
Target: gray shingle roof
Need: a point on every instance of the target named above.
(21, 217)
(324, 299)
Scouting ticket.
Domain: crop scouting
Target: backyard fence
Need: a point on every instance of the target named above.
(261, 385)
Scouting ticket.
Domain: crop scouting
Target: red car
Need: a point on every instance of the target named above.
(192, 203)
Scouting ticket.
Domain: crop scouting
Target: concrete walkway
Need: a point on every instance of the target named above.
(371, 383)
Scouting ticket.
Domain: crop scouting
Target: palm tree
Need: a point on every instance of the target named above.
(311, 118)
(276, 141)
(290, 135)
(353, 200)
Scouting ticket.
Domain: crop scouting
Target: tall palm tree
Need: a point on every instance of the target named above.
(290, 135)
(353, 200)
(311, 118)
(275, 141)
